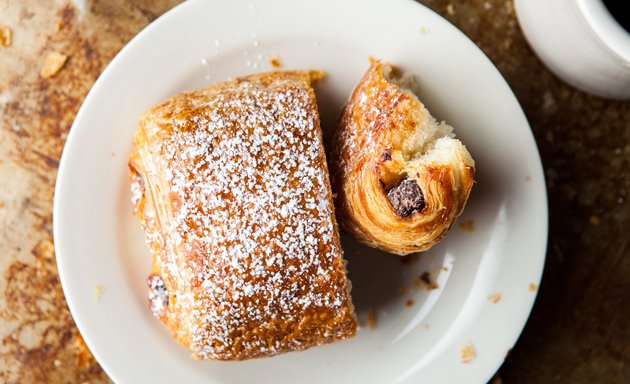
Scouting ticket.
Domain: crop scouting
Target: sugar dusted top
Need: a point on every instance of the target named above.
(237, 210)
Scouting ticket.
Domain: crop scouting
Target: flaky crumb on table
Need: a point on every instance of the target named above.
(6, 36)
(467, 353)
(450, 9)
(54, 63)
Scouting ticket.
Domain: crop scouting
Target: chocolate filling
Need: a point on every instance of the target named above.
(406, 197)
(158, 295)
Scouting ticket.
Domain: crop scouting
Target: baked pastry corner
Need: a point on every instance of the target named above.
(231, 186)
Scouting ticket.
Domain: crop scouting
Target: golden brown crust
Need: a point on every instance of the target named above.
(374, 150)
(230, 184)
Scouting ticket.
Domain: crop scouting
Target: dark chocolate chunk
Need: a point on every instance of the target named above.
(158, 295)
(406, 198)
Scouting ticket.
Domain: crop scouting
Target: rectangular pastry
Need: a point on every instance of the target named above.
(231, 186)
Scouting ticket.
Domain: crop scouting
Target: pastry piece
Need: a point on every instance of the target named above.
(231, 186)
(400, 177)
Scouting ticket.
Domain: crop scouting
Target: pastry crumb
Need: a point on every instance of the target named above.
(97, 290)
(450, 9)
(275, 62)
(402, 291)
(467, 225)
(594, 220)
(549, 137)
(409, 303)
(533, 287)
(528, 178)
(371, 319)
(422, 30)
(54, 63)
(495, 297)
(467, 353)
(509, 7)
(6, 36)
(84, 357)
(45, 249)
(424, 327)
(424, 281)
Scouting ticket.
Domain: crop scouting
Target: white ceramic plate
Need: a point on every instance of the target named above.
(99, 243)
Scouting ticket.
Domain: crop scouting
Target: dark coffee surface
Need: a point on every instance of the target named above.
(620, 10)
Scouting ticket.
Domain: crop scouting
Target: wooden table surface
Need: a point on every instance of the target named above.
(579, 329)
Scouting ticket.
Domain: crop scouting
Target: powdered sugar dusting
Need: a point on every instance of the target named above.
(158, 295)
(252, 247)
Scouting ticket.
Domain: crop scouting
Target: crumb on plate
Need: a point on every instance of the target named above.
(97, 290)
(371, 319)
(467, 353)
(495, 297)
(275, 62)
(533, 287)
(424, 281)
(402, 291)
(467, 225)
(409, 303)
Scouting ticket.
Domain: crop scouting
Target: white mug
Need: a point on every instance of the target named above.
(581, 42)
